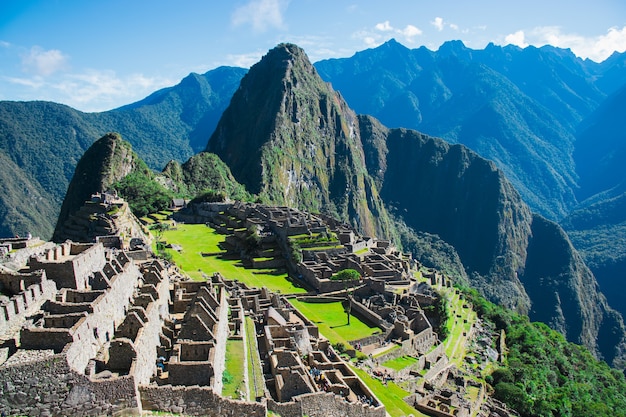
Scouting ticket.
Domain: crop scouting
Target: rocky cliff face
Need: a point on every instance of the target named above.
(108, 160)
(288, 137)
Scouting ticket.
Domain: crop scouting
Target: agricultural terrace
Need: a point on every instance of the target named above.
(460, 320)
(195, 239)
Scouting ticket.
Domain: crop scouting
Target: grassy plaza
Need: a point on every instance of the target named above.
(196, 239)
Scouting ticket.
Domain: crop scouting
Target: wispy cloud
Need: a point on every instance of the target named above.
(597, 48)
(244, 60)
(382, 32)
(438, 23)
(42, 62)
(261, 14)
(92, 90)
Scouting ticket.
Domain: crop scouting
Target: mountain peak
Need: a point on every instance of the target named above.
(287, 136)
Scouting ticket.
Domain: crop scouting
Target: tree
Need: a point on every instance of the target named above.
(346, 276)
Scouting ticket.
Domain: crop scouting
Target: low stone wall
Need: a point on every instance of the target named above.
(322, 404)
(14, 310)
(365, 313)
(48, 387)
(196, 401)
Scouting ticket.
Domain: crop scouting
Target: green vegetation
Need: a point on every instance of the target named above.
(233, 377)
(346, 275)
(391, 395)
(329, 318)
(256, 382)
(458, 323)
(401, 362)
(547, 376)
(143, 194)
(196, 239)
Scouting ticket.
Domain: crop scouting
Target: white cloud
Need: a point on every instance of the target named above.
(517, 38)
(384, 31)
(244, 60)
(261, 14)
(43, 62)
(384, 26)
(438, 23)
(597, 48)
(410, 31)
(5, 44)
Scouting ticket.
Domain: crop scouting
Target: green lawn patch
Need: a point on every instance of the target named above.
(196, 239)
(332, 321)
(400, 363)
(391, 395)
(256, 383)
(234, 371)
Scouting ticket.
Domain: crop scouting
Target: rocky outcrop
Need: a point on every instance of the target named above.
(108, 160)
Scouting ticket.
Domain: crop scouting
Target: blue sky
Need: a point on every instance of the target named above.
(96, 55)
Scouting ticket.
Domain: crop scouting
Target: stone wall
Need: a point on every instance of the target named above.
(70, 264)
(196, 401)
(36, 290)
(323, 404)
(49, 387)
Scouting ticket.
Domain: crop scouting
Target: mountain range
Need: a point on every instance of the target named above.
(305, 146)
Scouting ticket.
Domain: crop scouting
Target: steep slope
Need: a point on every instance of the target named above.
(566, 296)
(598, 231)
(516, 258)
(450, 191)
(24, 206)
(288, 137)
(600, 154)
(517, 107)
(107, 161)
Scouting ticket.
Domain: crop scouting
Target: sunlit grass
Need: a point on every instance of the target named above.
(234, 368)
(196, 239)
(391, 395)
(332, 321)
(400, 363)
(256, 383)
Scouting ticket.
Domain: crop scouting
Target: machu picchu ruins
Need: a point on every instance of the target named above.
(100, 325)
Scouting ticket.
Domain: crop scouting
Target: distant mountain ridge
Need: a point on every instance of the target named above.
(517, 107)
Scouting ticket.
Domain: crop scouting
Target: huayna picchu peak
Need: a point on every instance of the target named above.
(301, 140)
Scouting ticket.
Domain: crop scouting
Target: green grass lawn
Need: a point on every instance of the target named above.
(234, 381)
(256, 383)
(400, 363)
(391, 395)
(198, 238)
(332, 321)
